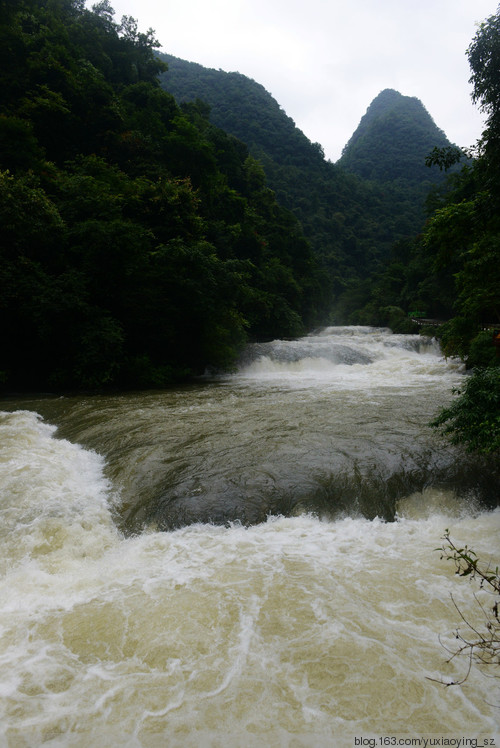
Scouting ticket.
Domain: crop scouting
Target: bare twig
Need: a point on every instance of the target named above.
(483, 648)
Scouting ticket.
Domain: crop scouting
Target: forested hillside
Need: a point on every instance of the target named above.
(351, 219)
(392, 141)
(140, 244)
(390, 147)
(452, 269)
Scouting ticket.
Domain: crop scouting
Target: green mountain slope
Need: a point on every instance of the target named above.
(392, 141)
(352, 219)
(242, 107)
(139, 244)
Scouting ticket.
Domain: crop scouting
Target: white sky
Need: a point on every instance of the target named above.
(324, 61)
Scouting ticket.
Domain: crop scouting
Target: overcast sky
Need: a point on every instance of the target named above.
(324, 61)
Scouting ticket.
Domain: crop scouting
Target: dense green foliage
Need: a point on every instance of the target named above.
(473, 418)
(466, 232)
(139, 243)
(451, 271)
(351, 223)
(391, 143)
(389, 148)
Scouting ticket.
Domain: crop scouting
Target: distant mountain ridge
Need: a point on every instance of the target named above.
(352, 212)
(392, 140)
(265, 126)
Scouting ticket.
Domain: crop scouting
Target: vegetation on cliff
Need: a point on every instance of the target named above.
(140, 243)
(451, 270)
(464, 236)
(351, 217)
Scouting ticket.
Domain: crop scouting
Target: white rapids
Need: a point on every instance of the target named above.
(295, 631)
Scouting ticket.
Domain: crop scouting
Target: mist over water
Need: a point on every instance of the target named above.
(244, 561)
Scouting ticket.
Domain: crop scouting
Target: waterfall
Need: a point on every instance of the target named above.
(245, 561)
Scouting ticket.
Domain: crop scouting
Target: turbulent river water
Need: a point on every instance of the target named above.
(245, 561)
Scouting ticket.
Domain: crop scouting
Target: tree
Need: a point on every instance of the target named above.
(484, 60)
(481, 642)
(478, 280)
(134, 233)
(445, 157)
(473, 419)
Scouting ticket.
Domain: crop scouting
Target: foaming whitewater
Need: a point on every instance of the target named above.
(54, 493)
(348, 358)
(311, 629)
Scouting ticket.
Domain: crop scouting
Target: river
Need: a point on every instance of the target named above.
(248, 560)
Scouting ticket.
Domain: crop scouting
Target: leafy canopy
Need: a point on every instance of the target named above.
(140, 244)
(473, 419)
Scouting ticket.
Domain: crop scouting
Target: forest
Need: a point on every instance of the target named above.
(140, 243)
(352, 212)
(156, 216)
